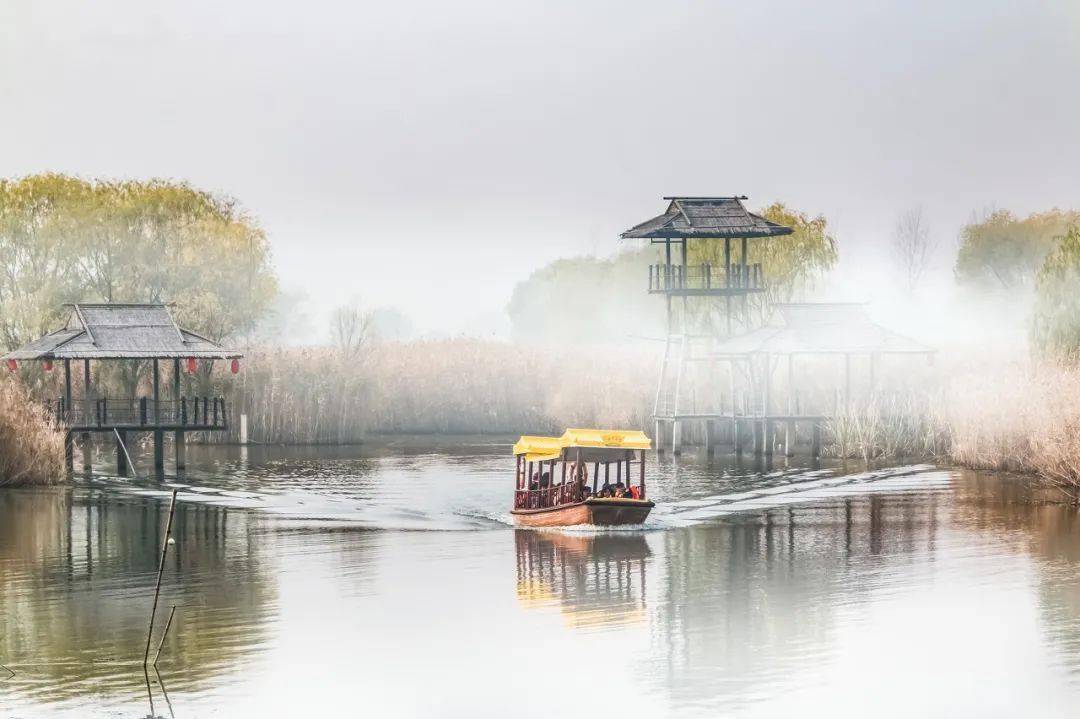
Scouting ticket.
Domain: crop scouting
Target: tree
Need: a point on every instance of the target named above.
(912, 247)
(791, 264)
(350, 328)
(587, 299)
(1055, 324)
(1003, 252)
(66, 239)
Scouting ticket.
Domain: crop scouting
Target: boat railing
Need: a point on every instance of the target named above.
(553, 496)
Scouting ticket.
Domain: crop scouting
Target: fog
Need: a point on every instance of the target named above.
(428, 156)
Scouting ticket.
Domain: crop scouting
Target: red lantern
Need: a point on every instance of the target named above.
(47, 365)
(12, 365)
(235, 366)
(191, 365)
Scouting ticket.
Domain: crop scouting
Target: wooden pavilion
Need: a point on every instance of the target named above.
(700, 219)
(96, 332)
(799, 332)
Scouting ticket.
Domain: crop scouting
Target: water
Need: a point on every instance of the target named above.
(389, 582)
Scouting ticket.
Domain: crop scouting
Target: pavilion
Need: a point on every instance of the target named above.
(96, 332)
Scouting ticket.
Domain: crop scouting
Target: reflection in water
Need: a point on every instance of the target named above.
(752, 602)
(595, 578)
(912, 592)
(77, 571)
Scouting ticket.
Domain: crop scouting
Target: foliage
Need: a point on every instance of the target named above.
(31, 451)
(1004, 252)
(587, 299)
(791, 264)
(1055, 327)
(66, 239)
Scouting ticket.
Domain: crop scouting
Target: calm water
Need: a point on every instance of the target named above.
(388, 582)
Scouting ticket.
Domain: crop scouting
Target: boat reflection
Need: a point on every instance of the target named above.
(594, 579)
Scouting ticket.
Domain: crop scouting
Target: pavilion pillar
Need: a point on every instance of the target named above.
(745, 282)
(685, 298)
(67, 386)
(88, 398)
(789, 431)
(658, 434)
(122, 468)
(178, 440)
(766, 422)
(159, 438)
(727, 282)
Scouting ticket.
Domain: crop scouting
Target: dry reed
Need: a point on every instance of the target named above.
(31, 450)
(453, 386)
(1023, 418)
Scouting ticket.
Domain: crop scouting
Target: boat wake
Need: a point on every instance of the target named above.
(439, 496)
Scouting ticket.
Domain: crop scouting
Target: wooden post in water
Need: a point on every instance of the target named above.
(161, 570)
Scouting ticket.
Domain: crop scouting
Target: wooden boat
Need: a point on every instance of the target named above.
(552, 479)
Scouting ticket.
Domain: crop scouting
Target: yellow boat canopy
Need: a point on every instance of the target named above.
(538, 449)
(613, 438)
(543, 449)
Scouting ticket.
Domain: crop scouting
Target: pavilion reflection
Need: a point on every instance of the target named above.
(751, 599)
(594, 579)
(77, 568)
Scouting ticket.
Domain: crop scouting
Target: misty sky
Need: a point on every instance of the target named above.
(430, 155)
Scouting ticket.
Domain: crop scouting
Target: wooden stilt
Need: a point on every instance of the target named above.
(159, 451)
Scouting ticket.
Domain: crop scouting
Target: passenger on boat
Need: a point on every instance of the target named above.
(605, 491)
(620, 490)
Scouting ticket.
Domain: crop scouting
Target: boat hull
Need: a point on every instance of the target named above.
(602, 512)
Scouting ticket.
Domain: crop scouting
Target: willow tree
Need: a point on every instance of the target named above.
(791, 264)
(1003, 252)
(1055, 322)
(66, 239)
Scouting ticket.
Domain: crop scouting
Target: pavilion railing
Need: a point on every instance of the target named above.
(704, 277)
(137, 412)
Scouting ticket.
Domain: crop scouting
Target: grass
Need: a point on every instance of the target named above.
(1022, 418)
(31, 450)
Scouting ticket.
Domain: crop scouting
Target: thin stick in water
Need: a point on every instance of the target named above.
(161, 570)
(165, 633)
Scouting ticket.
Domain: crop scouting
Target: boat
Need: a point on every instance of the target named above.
(573, 479)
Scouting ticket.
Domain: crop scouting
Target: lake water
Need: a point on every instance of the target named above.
(388, 582)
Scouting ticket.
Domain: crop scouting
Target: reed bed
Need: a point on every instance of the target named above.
(1022, 418)
(892, 425)
(31, 450)
(453, 386)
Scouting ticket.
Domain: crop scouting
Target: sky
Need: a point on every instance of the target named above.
(430, 155)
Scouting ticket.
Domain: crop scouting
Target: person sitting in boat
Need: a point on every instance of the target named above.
(620, 490)
(605, 491)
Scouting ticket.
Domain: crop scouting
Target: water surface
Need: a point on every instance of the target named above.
(388, 581)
